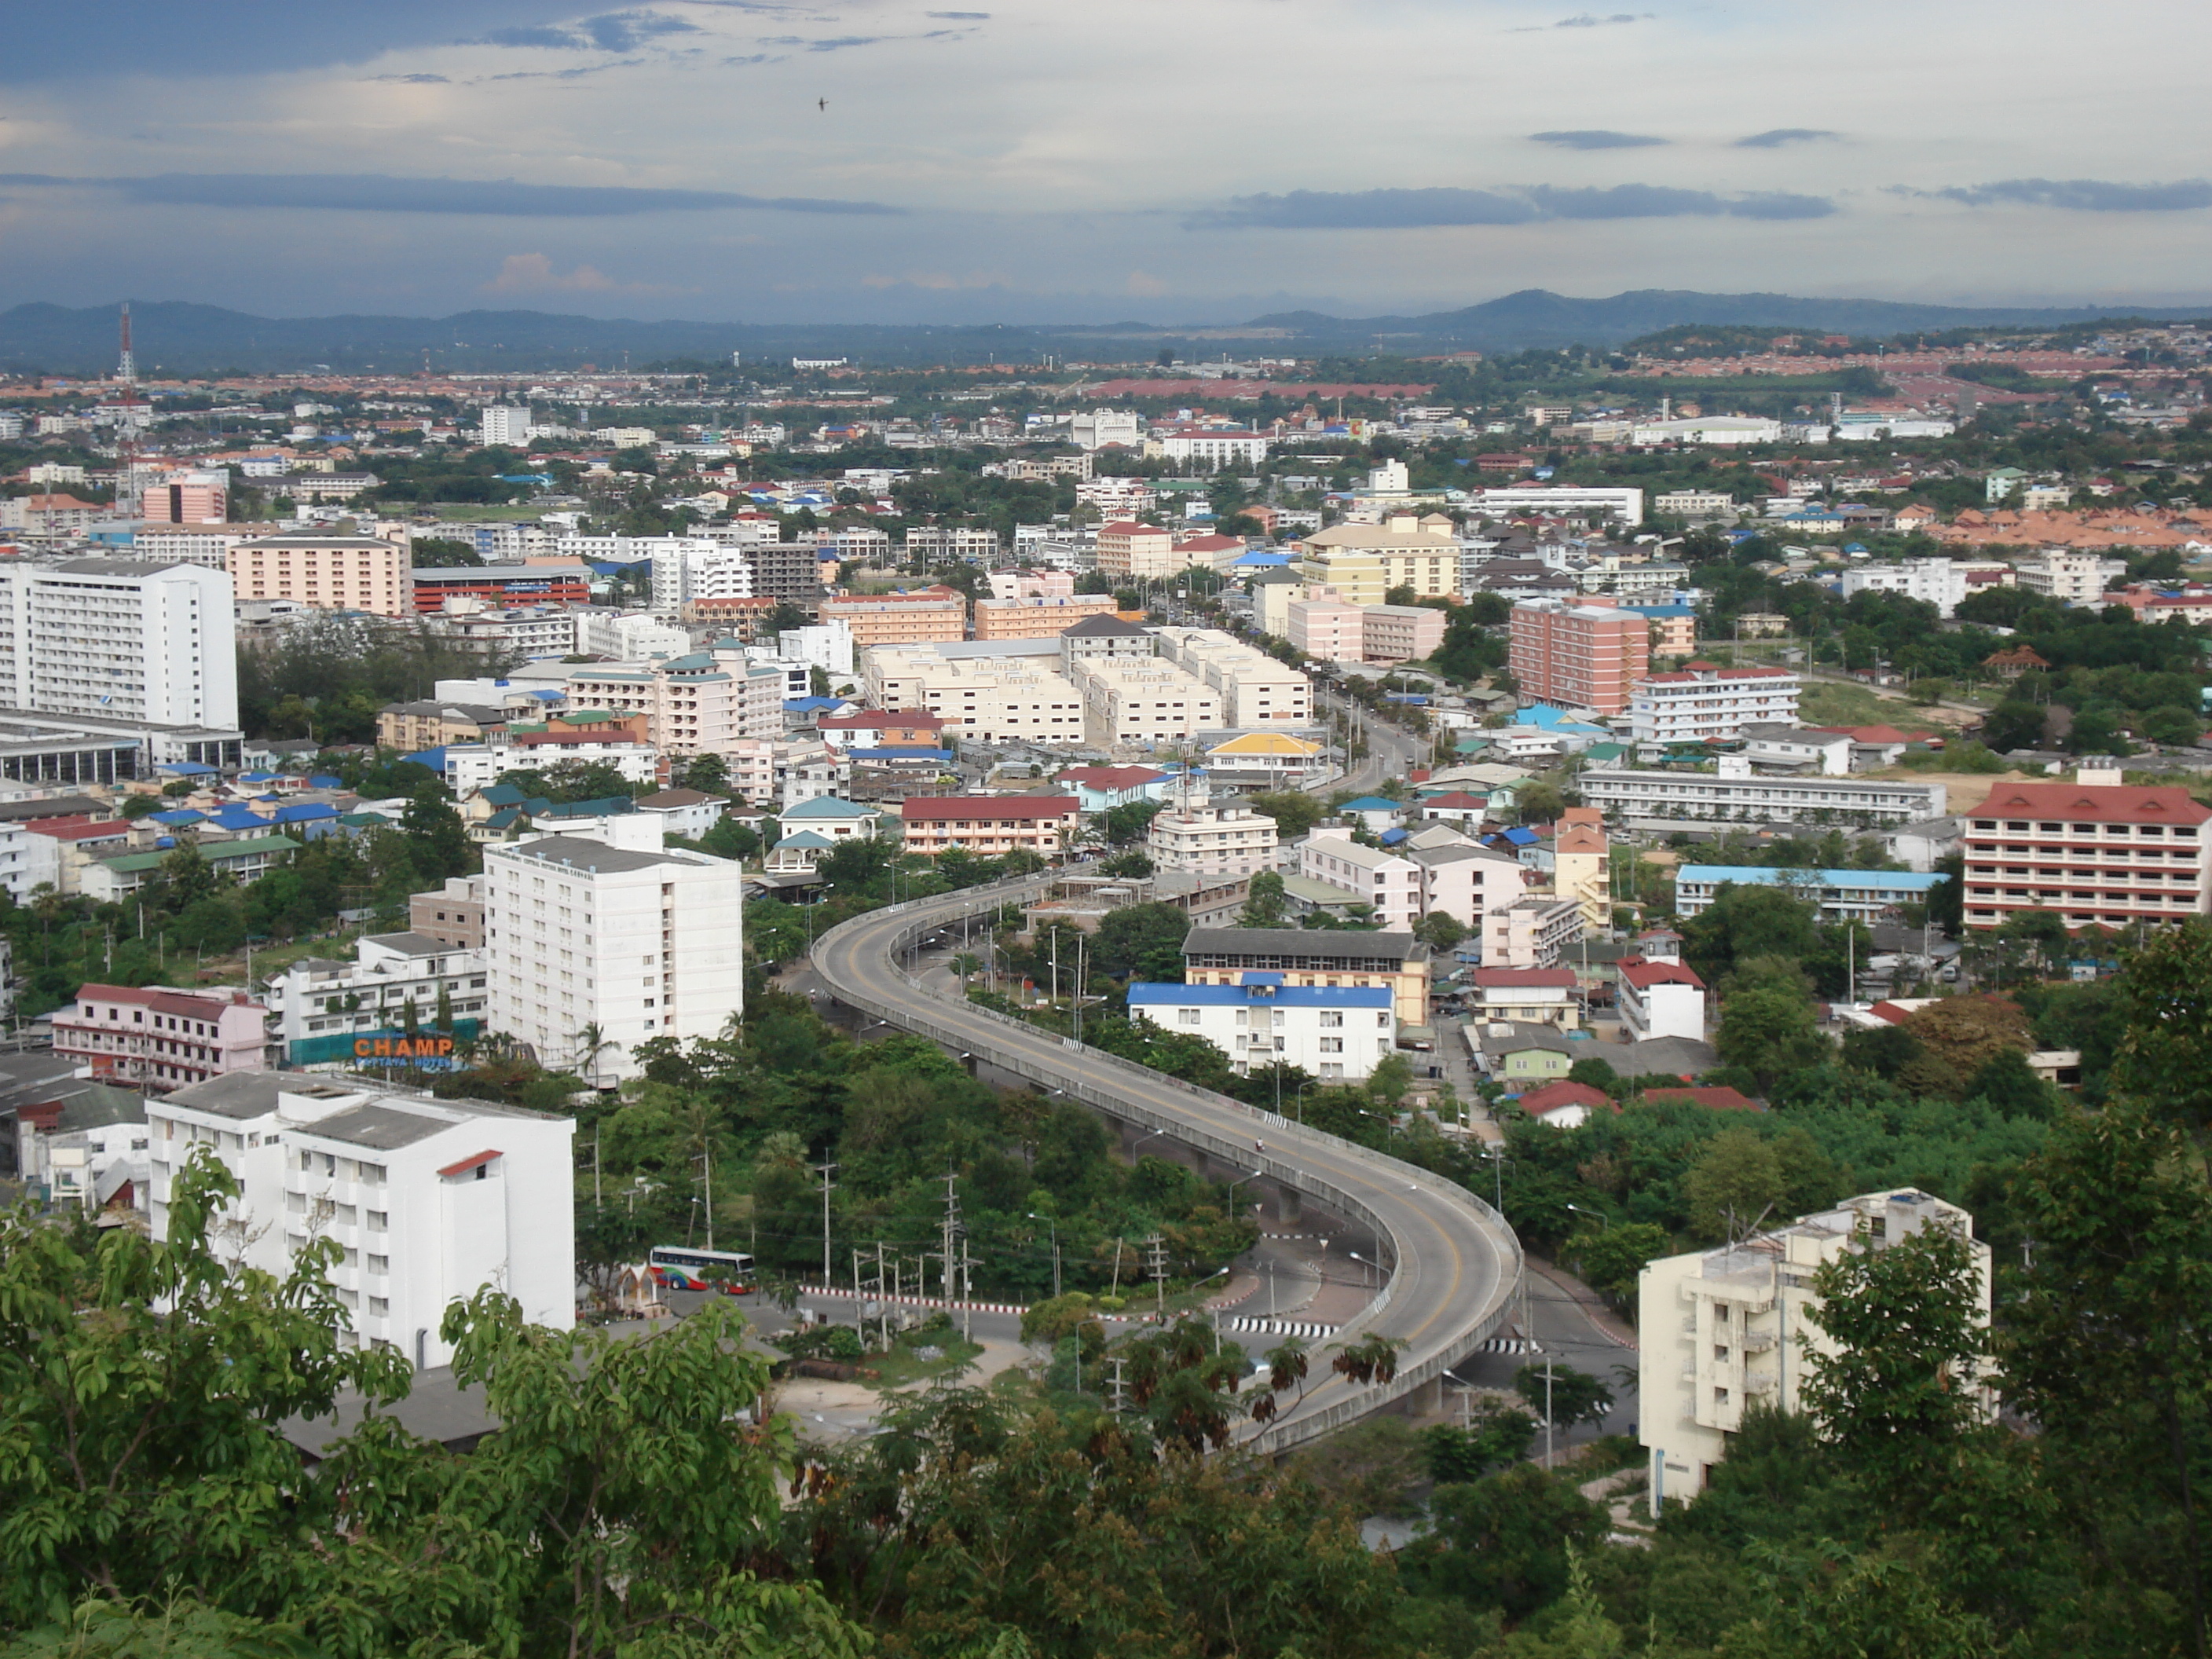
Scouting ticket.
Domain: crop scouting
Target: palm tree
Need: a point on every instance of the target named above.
(591, 1041)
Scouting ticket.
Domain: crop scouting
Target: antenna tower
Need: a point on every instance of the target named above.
(126, 426)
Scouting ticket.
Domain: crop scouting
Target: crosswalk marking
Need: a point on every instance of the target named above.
(1505, 1345)
(1281, 1328)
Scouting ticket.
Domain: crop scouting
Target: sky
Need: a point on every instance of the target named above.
(1183, 162)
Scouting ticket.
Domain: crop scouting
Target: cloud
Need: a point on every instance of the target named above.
(533, 273)
(372, 192)
(961, 17)
(1389, 210)
(2083, 195)
(1595, 139)
(1778, 137)
(1584, 21)
(613, 31)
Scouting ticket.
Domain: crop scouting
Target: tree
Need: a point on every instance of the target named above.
(1958, 1036)
(1900, 1387)
(438, 839)
(1131, 865)
(1496, 1435)
(1573, 1396)
(2173, 725)
(1610, 1258)
(1263, 900)
(1141, 941)
(1744, 921)
(1539, 802)
(1769, 1031)
(1129, 822)
(2097, 731)
(707, 773)
(1505, 1541)
(2013, 724)
(1735, 1182)
(1294, 813)
(1439, 928)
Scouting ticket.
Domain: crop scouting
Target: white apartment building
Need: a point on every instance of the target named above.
(1256, 691)
(1212, 841)
(1471, 884)
(527, 630)
(628, 635)
(178, 543)
(1694, 504)
(2073, 577)
(1210, 448)
(1533, 932)
(317, 1000)
(1000, 697)
(1098, 427)
(1660, 999)
(1142, 701)
(469, 767)
(1725, 1329)
(827, 645)
(1117, 497)
(1702, 703)
(1733, 794)
(119, 639)
(429, 1201)
(1394, 886)
(504, 424)
(579, 933)
(1337, 1033)
(1509, 500)
(686, 567)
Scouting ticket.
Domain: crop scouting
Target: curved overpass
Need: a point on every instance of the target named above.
(1456, 1265)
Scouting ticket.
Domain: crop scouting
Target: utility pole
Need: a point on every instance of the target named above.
(595, 1166)
(1158, 1252)
(951, 1230)
(967, 1293)
(824, 1170)
(706, 1172)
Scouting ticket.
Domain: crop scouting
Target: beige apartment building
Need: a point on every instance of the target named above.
(1128, 550)
(1364, 562)
(990, 825)
(1256, 691)
(1726, 1329)
(1038, 616)
(1143, 700)
(1212, 841)
(704, 703)
(904, 618)
(1008, 697)
(337, 573)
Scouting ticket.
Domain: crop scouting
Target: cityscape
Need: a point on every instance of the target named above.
(1441, 954)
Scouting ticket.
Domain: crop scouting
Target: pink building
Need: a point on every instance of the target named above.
(162, 1038)
(186, 498)
(1400, 633)
(1584, 654)
(1327, 628)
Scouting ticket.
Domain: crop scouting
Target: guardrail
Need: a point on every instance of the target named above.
(1087, 1074)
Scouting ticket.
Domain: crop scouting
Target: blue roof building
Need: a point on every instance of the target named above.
(1855, 895)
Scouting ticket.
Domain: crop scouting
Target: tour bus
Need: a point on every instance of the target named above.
(678, 1267)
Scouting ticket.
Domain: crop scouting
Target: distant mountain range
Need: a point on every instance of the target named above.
(176, 338)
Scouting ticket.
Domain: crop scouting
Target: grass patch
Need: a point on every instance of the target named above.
(486, 513)
(1826, 702)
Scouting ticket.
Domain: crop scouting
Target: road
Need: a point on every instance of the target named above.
(1456, 1264)
(1391, 753)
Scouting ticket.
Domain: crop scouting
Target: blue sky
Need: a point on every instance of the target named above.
(1047, 160)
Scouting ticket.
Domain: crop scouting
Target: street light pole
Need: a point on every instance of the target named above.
(1054, 1226)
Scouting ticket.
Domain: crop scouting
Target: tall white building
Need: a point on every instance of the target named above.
(687, 568)
(430, 1201)
(640, 944)
(120, 639)
(1212, 841)
(1335, 1032)
(1702, 701)
(1723, 1329)
(507, 425)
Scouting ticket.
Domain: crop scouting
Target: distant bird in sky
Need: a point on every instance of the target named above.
(823, 103)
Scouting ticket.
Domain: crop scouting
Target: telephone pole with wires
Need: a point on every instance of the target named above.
(828, 1186)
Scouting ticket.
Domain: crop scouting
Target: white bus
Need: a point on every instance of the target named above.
(678, 1267)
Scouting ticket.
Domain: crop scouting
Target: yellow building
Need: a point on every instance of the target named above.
(1579, 854)
(1364, 562)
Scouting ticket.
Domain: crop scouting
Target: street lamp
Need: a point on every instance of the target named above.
(1054, 1226)
(1603, 1220)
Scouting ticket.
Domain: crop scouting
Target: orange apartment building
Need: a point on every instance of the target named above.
(1037, 617)
(1129, 550)
(1586, 653)
(920, 616)
(990, 825)
(2096, 851)
(337, 573)
(741, 617)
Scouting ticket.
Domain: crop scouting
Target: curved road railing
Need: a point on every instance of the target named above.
(1455, 1264)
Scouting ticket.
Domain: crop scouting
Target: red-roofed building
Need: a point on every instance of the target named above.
(1720, 1100)
(1128, 549)
(1702, 701)
(56, 850)
(160, 1039)
(1103, 788)
(1565, 1105)
(54, 515)
(2094, 851)
(879, 728)
(1541, 995)
(990, 825)
(1660, 999)
(1456, 806)
(1212, 552)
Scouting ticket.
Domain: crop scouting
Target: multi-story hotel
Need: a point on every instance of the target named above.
(2094, 851)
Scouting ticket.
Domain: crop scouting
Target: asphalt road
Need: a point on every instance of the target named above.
(1456, 1267)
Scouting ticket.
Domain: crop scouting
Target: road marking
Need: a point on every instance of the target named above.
(1280, 1327)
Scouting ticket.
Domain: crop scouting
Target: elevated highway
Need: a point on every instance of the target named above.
(1455, 1266)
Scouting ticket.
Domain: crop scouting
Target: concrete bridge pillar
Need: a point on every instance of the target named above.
(1426, 1401)
(1290, 1206)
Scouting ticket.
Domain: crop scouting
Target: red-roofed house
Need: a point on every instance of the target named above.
(1127, 548)
(1721, 1100)
(1211, 552)
(1541, 995)
(1457, 807)
(57, 850)
(1660, 999)
(1703, 701)
(160, 1039)
(53, 514)
(1565, 1105)
(2094, 851)
(990, 825)
(878, 728)
(1103, 788)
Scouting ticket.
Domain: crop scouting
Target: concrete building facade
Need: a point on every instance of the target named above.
(1588, 655)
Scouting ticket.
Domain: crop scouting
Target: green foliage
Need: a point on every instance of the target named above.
(1610, 1258)
(1294, 813)
(1567, 1395)
(1505, 1541)
(1495, 1437)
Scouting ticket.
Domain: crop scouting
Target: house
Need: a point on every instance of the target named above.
(1565, 1105)
(1222, 955)
(1513, 1053)
(832, 820)
(2011, 662)
(1789, 750)
(1101, 788)
(1334, 1034)
(1537, 995)
(990, 826)
(1660, 999)
(796, 853)
(1371, 812)
(1924, 845)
